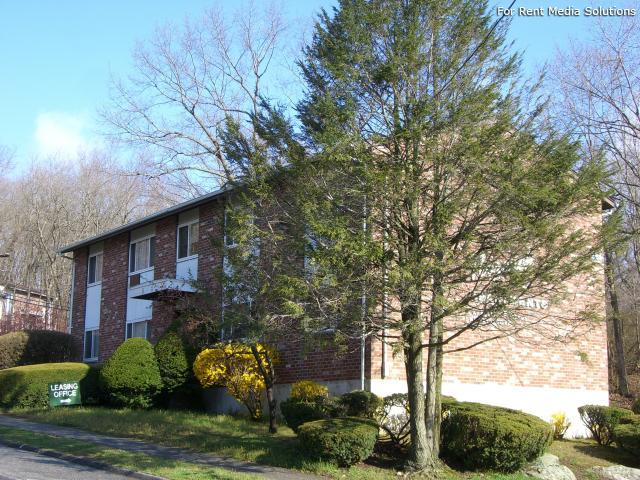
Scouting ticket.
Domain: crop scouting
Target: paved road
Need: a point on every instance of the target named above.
(22, 465)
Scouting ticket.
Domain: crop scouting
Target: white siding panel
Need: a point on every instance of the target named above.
(92, 311)
(187, 269)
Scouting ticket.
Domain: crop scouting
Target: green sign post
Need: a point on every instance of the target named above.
(64, 393)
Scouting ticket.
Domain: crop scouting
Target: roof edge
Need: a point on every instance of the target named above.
(180, 207)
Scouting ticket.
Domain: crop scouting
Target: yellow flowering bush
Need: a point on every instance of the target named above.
(560, 425)
(234, 366)
(308, 390)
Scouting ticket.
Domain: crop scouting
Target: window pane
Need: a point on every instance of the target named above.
(152, 251)
(142, 255)
(92, 269)
(87, 344)
(98, 276)
(91, 343)
(138, 329)
(132, 258)
(183, 241)
(193, 238)
(96, 343)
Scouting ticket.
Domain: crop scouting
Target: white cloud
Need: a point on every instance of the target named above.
(61, 133)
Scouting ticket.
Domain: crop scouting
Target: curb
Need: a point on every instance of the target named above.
(86, 462)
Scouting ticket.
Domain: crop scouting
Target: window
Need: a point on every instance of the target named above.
(187, 238)
(142, 254)
(8, 304)
(91, 344)
(95, 268)
(138, 329)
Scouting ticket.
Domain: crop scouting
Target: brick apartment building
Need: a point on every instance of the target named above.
(120, 276)
(22, 308)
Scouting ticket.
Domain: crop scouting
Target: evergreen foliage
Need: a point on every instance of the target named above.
(601, 421)
(34, 347)
(131, 378)
(482, 437)
(627, 434)
(345, 441)
(26, 387)
(361, 403)
(173, 362)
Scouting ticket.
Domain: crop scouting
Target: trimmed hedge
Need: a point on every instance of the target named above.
(131, 378)
(345, 441)
(27, 386)
(484, 437)
(602, 420)
(297, 412)
(627, 434)
(35, 347)
(361, 403)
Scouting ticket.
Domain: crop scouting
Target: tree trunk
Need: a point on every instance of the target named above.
(265, 366)
(433, 398)
(419, 457)
(271, 401)
(616, 322)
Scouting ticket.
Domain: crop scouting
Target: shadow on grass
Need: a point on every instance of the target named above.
(219, 435)
(611, 454)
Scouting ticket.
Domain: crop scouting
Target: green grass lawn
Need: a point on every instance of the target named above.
(139, 462)
(239, 438)
(581, 455)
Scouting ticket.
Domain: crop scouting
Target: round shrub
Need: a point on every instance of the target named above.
(361, 403)
(130, 378)
(345, 441)
(627, 434)
(636, 406)
(482, 437)
(173, 361)
(26, 387)
(34, 347)
(296, 412)
(601, 421)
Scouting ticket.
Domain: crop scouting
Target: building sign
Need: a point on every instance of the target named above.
(64, 393)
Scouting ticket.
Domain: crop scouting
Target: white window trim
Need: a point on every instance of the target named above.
(180, 225)
(99, 282)
(84, 345)
(146, 237)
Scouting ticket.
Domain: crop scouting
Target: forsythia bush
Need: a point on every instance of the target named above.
(308, 390)
(560, 425)
(232, 365)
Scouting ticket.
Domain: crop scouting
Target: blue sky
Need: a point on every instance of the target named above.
(58, 57)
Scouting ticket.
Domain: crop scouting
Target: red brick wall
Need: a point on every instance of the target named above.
(79, 299)
(165, 267)
(209, 246)
(575, 360)
(322, 363)
(113, 307)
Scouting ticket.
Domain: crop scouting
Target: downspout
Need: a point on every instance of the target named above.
(364, 308)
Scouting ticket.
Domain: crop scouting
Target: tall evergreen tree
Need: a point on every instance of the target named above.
(435, 201)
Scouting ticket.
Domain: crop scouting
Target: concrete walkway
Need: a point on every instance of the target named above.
(172, 453)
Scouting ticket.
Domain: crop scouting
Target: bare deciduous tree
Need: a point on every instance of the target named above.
(599, 99)
(188, 82)
(57, 202)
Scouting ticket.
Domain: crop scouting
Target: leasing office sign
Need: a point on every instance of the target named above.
(64, 393)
